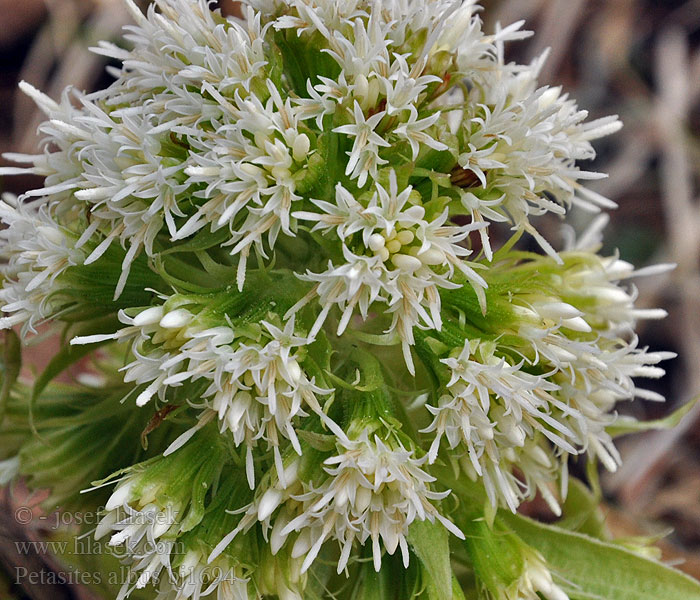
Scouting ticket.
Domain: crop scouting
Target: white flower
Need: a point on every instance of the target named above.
(62, 168)
(117, 170)
(224, 53)
(156, 336)
(537, 579)
(481, 211)
(414, 131)
(275, 490)
(608, 305)
(252, 177)
(324, 97)
(462, 26)
(127, 163)
(260, 390)
(404, 85)
(364, 50)
(476, 53)
(364, 157)
(343, 217)
(157, 501)
(356, 283)
(375, 491)
(522, 146)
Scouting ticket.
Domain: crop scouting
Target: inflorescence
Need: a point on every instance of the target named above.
(300, 230)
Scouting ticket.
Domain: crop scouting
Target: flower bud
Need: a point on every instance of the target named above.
(176, 319)
(406, 263)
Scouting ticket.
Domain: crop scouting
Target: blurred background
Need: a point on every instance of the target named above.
(636, 58)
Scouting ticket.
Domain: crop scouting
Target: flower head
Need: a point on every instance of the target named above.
(283, 224)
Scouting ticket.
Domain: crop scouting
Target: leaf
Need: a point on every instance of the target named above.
(593, 569)
(11, 365)
(374, 585)
(495, 553)
(625, 425)
(293, 69)
(223, 273)
(203, 240)
(67, 356)
(370, 370)
(319, 354)
(430, 542)
(329, 148)
(457, 593)
(582, 512)
(177, 283)
(318, 441)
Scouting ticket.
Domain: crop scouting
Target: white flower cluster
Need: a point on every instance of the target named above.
(140, 532)
(393, 255)
(284, 211)
(147, 515)
(375, 491)
(153, 151)
(35, 251)
(504, 418)
(490, 431)
(256, 388)
(372, 489)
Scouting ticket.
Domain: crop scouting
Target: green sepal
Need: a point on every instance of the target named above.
(392, 582)
(499, 313)
(440, 161)
(178, 283)
(201, 484)
(307, 178)
(223, 273)
(319, 354)
(329, 148)
(374, 585)
(303, 58)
